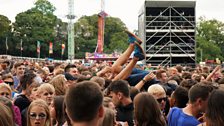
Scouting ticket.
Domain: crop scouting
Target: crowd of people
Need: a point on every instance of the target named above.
(105, 94)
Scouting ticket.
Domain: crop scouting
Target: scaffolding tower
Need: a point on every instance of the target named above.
(168, 28)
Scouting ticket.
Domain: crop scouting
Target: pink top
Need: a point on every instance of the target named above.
(17, 115)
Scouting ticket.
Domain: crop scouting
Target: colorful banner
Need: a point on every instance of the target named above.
(62, 49)
(38, 46)
(50, 48)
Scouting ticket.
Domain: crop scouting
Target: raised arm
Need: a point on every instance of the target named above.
(213, 72)
(147, 78)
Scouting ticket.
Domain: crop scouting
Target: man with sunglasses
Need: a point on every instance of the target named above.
(159, 94)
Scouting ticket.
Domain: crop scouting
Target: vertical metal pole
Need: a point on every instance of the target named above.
(170, 36)
(71, 43)
(21, 47)
(39, 55)
(201, 54)
(6, 45)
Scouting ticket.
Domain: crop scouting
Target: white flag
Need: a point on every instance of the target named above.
(21, 45)
(6, 43)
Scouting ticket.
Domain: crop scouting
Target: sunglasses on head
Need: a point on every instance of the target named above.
(161, 99)
(9, 83)
(40, 115)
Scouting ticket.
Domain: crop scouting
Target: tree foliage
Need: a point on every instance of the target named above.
(36, 24)
(45, 7)
(210, 39)
(4, 25)
(86, 32)
(5, 29)
(40, 24)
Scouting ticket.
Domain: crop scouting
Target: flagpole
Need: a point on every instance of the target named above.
(49, 53)
(6, 45)
(39, 55)
(21, 48)
(38, 49)
(61, 51)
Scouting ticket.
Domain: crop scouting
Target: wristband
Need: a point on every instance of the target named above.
(144, 81)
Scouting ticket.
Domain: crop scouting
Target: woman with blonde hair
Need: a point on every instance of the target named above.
(59, 83)
(8, 79)
(6, 92)
(38, 114)
(58, 71)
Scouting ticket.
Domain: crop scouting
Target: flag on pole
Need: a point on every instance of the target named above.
(62, 49)
(50, 48)
(38, 46)
(6, 43)
(21, 45)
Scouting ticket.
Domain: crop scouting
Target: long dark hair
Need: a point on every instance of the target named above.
(66, 116)
(59, 109)
(215, 110)
(147, 111)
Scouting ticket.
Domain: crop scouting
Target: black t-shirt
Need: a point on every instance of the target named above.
(22, 102)
(125, 113)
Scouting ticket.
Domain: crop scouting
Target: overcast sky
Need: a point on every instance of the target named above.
(126, 10)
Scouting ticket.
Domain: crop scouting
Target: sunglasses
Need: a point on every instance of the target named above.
(4, 94)
(161, 99)
(48, 93)
(9, 83)
(40, 116)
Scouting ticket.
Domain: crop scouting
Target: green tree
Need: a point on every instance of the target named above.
(118, 42)
(207, 50)
(5, 29)
(40, 24)
(36, 24)
(86, 33)
(45, 7)
(4, 25)
(210, 39)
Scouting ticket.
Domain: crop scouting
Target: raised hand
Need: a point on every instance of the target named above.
(149, 76)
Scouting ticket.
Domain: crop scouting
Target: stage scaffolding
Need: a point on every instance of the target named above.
(168, 28)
